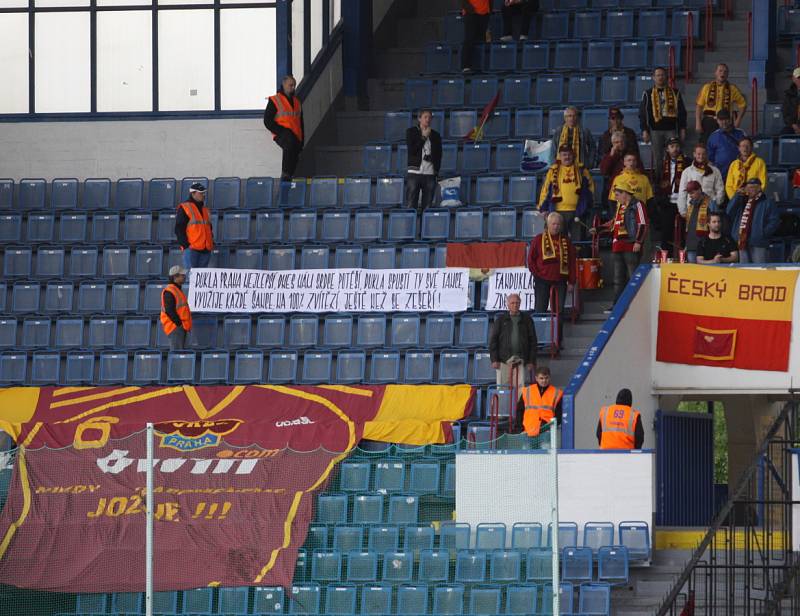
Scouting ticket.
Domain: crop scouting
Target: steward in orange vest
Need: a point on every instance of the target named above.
(193, 228)
(620, 425)
(539, 404)
(283, 117)
(176, 319)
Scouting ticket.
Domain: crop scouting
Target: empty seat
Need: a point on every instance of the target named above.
(619, 24)
(72, 228)
(485, 600)
(317, 367)
(340, 599)
(10, 227)
(576, 564)
(235, 227)
(395, 124)
(439, 58)
(102, 332)
(652, 23)
(35, 333)
(490, 536)
(598, 534)
(282, 367)
(581, 89)
(633, 54)
(450, 93)
(357, 192)
(435, 224)
(476, 157)
(314, 257)
(258, 193)
(424, 479)
(469, 224)
(96, 194)
(124, 296)
(113, 367)
(128, 194)
(535, 56)
(25, 297)
(661, 52)
(116, 261)
(568, 55)
(549, 90)
(269, 227)
(17, 262)
(403, 509)
(525, 535)
(324, 192)
(461, 123)
(248, 367)
(8, 333)
(612, 564)
(161, 193)
(45, 367)
(362, 566)
(57, 297)
(214, 366)
(501, 224)
(148, 262)
(371, 330)
(389, 192)
(6, 193)
(385, 367)
(368, 509)
(227, 193)
(280, 258)
(181, 366)
(305, 599)
(383, 538)
(267, 600)
(303, 330)
(522, 599)
(508, 156)
(347, 257)
(594, 598)
(13, 367)
(32, 194)
(686, 23)
(136, 332)
(588, 24)
(517, 91)
(367, 226)
(40, 227)
(270, 331)
(79, 367)
(453, 366)
(397, 567)
(402, 225)
(405, 330)
(555, 25)
(470, 566)
(105, 227)
(236, 331)
(50, 262)
(337, 331)
(377, 160)
(636, 537)
(376, 599)
(302, 226)
(331, 508)
(292, 193)
(418, 93)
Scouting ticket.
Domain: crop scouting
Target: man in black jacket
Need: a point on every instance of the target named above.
(791, 106)
(513, 342)
(662, 116)
(424, 159)
(283, 117)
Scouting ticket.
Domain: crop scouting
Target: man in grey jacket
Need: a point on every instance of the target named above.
(513, 342)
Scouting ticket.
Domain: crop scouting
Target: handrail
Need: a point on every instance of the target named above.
(797, 55)
(709, 25)
(728, 9)
(726, 511)
(494, 417)
(689, 45)
(671, 65)
(512, 400)
(749, 36)
(754, 110)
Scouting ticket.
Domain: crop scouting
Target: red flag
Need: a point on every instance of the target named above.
(476, 134)
(714, 344)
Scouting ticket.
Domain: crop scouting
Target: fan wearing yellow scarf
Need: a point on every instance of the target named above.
(746, 167)
(578, 138)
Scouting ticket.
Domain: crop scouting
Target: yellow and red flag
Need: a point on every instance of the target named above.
(476, 134)
(728, 318)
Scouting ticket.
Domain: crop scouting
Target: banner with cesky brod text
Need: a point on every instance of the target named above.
(331, 290)
(506, 280)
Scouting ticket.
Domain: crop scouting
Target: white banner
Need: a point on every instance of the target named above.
(506, 280)
(331, 290)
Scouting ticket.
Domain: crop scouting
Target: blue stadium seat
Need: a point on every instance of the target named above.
(102, 332)
(400, 164)
(305, 599)
(116, 261)
(368, 508)
(439, 330)
(652, 24)
(357, 192)
(619, 24)
(45, 367)
(367, 226)
(214, 366)
(490, 536)
(72, 228)
(454, 536)
(231, 600)
(124, 296)
(113, 367)
(449, 93)
(414, 256)
(248, 367)
(555, 25)
(614, 88)
(473, 330)
(128, 194)
(661, 49)
(498, 126)
(13, 367)
(565, 592)
(258, 193)
(595, 119)
(595, 598)
(405, 330)
(778, 185)
(152, 297)
(508, 156)
(97, 193)
(381, 257)
(79, 367)
(385, 367)
(773, 119)
(348, 257)
(331, 508)
(136, 332)
(64, 194)
(502, 224)
(435, 224)
(377, 159)
(317, 367)
(402, 225)
(340, 599)
(505, 566)
(449, 158)
(362, 566)
(470, 566)
(335, 226)
(633, 54)
(469, 224)
(32, 194)
(528, 122)
(612, 564)
(418, 367)
(376, 599)
(161, 193)
(418, 93)
(324, 192)
(269, 600)
(314, 257)
(280, 258)
(383, 538)
(303, 330)
(348, 538)
(302, 226)
(581, 89)
(50, 262)
(397, 567)
(567, 534)
(17, 262)
(371, 330)
(282, 367)
(502, 56)
(485, 600)
(227, 193)
(588, 24)
(181, 366)
(681, 26)
(412, 599)
(526, 535)
(148, 261)
(25, 297)
(389, 192)
(789, 151)
(461, 123)
(292, 193)
(598, 534)
(105, 227)
(403, 509)
(35, 333)
(10, 227)
(8, 333)
(483, 89)
(641, 83)
(424, 479)
(763, 149)
(476, 157)
(488, 190)
(395, 124)
(535, 56)
(337, 330)
(549, 90)
(600, 54)
(636, 537)
(434, 565)
(40, 227)
(568, 55)
(539, 564)
(350, 366)
(522, 599)
(235, 227)
(6, 194)
(57, 296)
(354, 476)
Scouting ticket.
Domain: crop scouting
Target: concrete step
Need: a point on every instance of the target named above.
(399, 62)
(359, 127)
(338, 160)
(386, 94)
(418, 32)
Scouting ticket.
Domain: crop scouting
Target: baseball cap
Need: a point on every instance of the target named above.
(693, 185)
(673, 141)
(754, 181)
(796, 72)
(175, 270)
(197, 187)
(723, 114)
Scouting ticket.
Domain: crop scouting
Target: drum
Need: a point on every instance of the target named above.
(589, 273)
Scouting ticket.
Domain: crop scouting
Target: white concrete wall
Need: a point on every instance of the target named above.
(156, 148)
(626, 361)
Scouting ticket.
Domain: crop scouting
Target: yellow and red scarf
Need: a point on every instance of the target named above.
(570, 177)
(680, 166)
(620, 231)
(741, 170)
(574, 143)
(746, 222)
(702, 213)
(549, 251)
(711, 99)
(670, 108)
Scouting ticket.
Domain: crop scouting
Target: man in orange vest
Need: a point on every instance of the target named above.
(283, 117)
(176, 319)
(540, 404)
(193, 229)
(620, 425)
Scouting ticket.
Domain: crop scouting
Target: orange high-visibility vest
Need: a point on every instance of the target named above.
(182, 308)
(198, 229)
(617, 424)
(539, 408)
(288, 114)
(481, 7)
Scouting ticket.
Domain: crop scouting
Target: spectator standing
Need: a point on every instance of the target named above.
(568, 189)
(745, 167)
(577, 138)
(716, 247)
(723, 144)
(283, 117)
(551, 261)
(715, 96)
(176, 319)
(476, 22)
(704, 172)
(632, 175)
(662, 116)
(754, 219)
(539, 405)
(612, 162)
(193, 228)
(512, 342)
(424, 159)
(791, 106)
(620, 425)
(698, 208)
(628, 231)
(521, 12)
(615, 124)
(672, 168)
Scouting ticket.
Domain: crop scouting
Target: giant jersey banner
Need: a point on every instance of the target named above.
(334, 290)
(236, 473)
(725, 317)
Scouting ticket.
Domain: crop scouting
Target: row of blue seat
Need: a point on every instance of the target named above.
(57, 366)
(420, 476)
(567, 55)
(350, 599)
(576, 5)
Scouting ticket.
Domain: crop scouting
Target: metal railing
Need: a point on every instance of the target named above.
(689, 45)
(709, 24)
(745, 563)
(754, 108)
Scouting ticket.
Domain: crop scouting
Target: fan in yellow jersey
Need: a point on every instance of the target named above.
(568, 188)
(715, 96)
(746, 167)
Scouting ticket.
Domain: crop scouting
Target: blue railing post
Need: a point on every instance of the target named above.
(283, 40)
(764, 36)
(356, 48)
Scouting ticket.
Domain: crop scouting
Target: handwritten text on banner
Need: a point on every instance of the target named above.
(339, 290)
(506, 280)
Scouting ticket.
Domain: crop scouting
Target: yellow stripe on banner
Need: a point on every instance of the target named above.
(63, 391)
(22, 467)
(287, 538)
(706, 290)
(101, 396)
(200, 408)
(164, 391)
(17, 406)
(345, 389)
